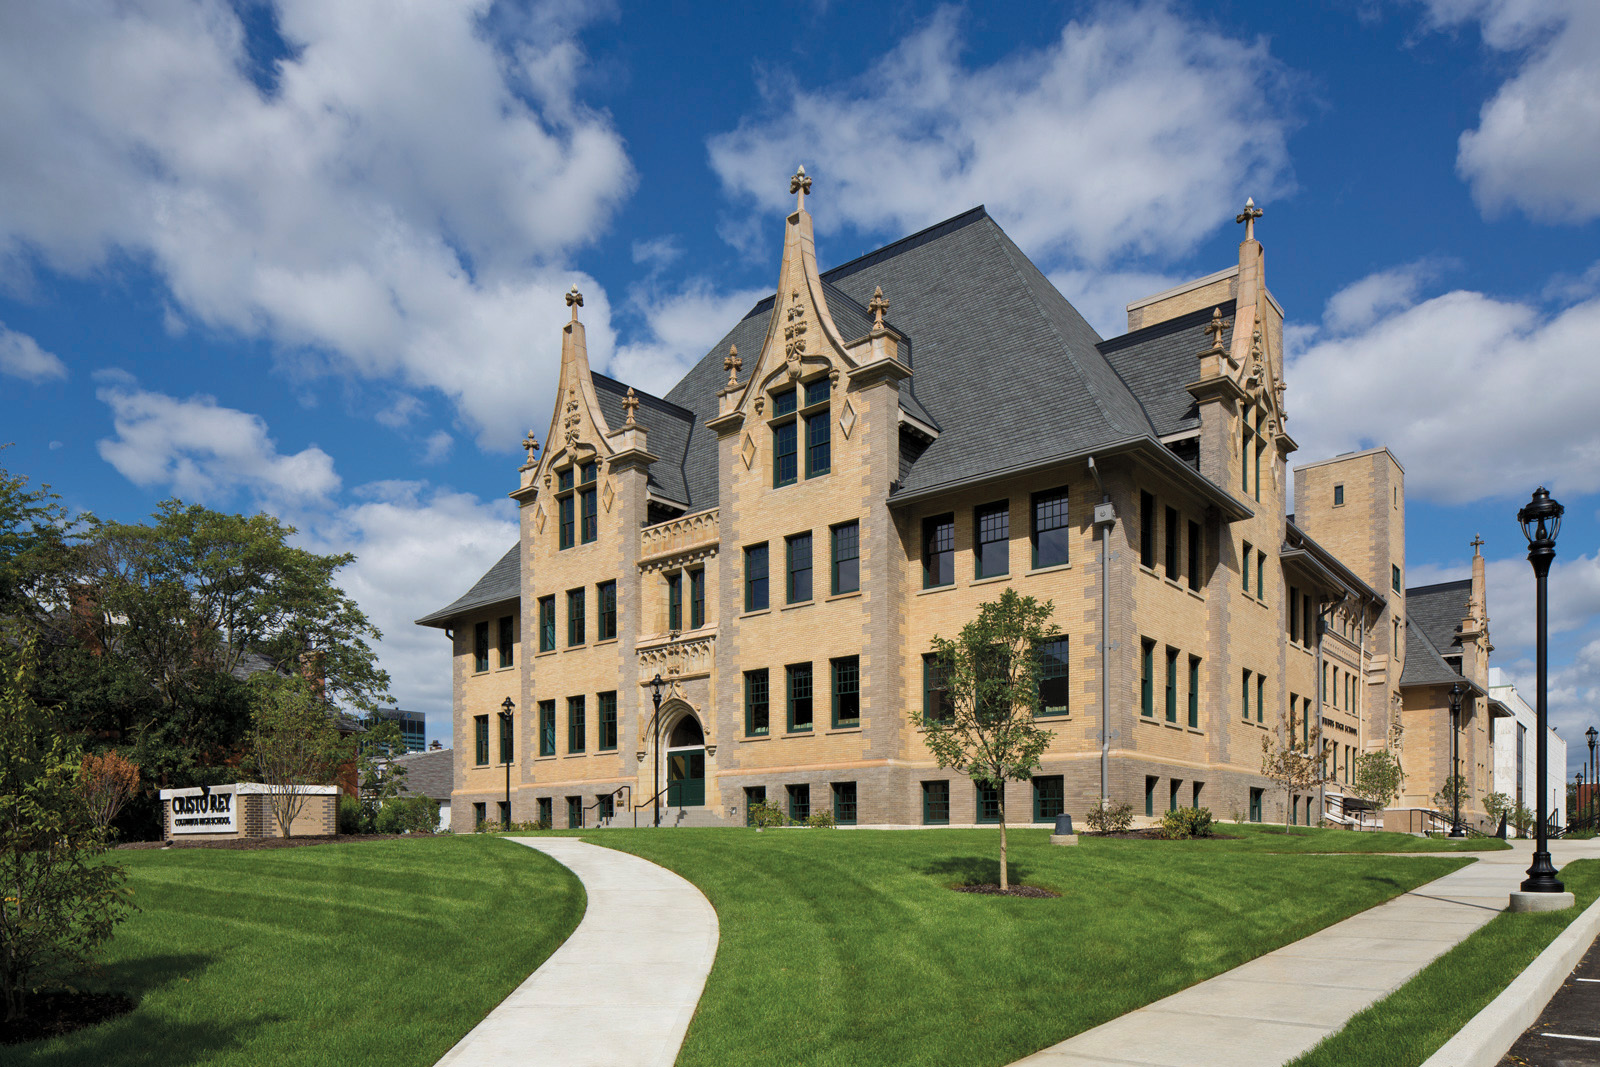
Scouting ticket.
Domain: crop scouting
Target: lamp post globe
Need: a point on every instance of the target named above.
(1455, 760)
(506, 708)
(1540, 519)
(655, 731)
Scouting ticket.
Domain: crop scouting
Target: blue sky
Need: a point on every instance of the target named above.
(309, 258)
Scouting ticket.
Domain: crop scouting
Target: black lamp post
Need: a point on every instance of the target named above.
(506, 709)
(655, 730)
(1541, 522)
(1590, 734)
(1455, 760)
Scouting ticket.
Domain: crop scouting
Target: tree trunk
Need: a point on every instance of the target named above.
(1288, 799)
(1005, 881)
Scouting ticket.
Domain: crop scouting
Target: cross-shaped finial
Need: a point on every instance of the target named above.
(1248, 216)
(574, 301)
(1215, 328)
(800, 184)
(877, 305)
(1477, 543)
(630, 404)
(731, 363)
(531, 443)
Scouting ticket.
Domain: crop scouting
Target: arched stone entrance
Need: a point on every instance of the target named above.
(686, 763)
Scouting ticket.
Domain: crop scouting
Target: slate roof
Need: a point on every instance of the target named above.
(1424, 665)
(499, 583)
(431, 774)
(669, 429)
(1157, 362)
(1438, 610)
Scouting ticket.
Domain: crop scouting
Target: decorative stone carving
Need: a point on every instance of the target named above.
(695, 533)
(847, 418)
(678, 660)
(574, 301)
(630, 404)
(538, 519)
(1215, 328)
(1248, 216)
(748, 452)
(731, 363)
(608, 495)
(531, 443)
(877, 306)
(800, 185)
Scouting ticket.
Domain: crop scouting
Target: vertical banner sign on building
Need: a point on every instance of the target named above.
(206, 813)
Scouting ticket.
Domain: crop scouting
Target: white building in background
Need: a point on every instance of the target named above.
(1516, 762)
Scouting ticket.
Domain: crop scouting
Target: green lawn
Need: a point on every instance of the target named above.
(377, 953)
(1411, 1023)
(847, 947)
(1268, 837)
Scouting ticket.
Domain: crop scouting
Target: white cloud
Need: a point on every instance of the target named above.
(1459, 387)
(657, 252)
(21, 357)
(204, 452)
(436, 449)
(682, 327)
(1537, 145)
(1136, 131)
(399, 202)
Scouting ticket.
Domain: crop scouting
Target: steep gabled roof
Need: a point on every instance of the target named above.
(1159, 361)
(1438, 610)
(669, 426)
(1424, 665)
(499, 584)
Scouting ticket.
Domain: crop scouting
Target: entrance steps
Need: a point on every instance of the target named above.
(671, 815)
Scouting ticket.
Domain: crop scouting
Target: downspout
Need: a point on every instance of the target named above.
(1105, 517)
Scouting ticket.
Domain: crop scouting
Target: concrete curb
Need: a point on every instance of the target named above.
(1491, 1033)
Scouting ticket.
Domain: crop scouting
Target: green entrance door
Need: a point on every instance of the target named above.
(686, 778)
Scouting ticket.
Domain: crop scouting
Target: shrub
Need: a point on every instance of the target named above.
(763, 814)
(821, 819)
(353, 817)
(1182, 823)
(408, 815)
(1115, 819)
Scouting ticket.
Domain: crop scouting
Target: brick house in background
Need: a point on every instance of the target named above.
(867, 456)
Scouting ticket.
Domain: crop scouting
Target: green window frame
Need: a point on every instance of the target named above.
(1049, 797)
(577, 728)
(697, 598)
(937, 706)
(797, 559)
(819, 435)
(1244, 566)
(1246, 692)
(546, 812)
(1052, 671)
(987, 797)
(1394, 577)
(565, 523)
(1172, 684)
(1247, 447)
(1196, 543)
(1147, 679)
(1294, 615)
(1150, 782)
(938, 551)
(480, 647)
(846, 691)
(1174, 549)
(1051, 535)
(1338, 496)
(507, 735)
(1194, 692)
(844, 803)
(785, 439)
(1172, 794)
(547, 624)
(846, 570)
(675, 601)
(799, 802)
(576, 627)
(755, 578)
(753, 795)
(547, 727)
(480, 814)
(991, 550)
(798, 677)
(480, 737)
(507, 641)
(1147, 530)
(606, 705)
(589, 512)
(1255, 804)
(1261, 446)
(574, 813)
(1261, 579)
(606, 622)
(757, 704)
(936, 803)
(1261, 695)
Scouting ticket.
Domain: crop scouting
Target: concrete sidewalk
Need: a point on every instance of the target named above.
(623, 987)
(1277, 1006)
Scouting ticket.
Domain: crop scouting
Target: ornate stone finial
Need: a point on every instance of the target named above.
(574, 301)
(1215, 328)
(877, 305)
(1248, 216)
(800, 184)
(630, 404)
(531, 443)
(1477, 545)
(731, 363)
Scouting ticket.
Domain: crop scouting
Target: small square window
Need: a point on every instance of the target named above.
(936, 803)
(1049, 797)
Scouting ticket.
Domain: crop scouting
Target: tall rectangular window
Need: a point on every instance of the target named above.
(844, 803)
(1172, 793)
(935, 803)
(785, 439)
(590, 514)
(1261, 695)
(819, 456)
(675, 601)
(575, 624)
(988, 802)
(1293, 701)
(567, 524)
(755, 578)
(1255, 804)
(798, 549)
(846, 558)
(1147, 530)
(1308, 627)
(1194, 692)
(1150, 783)
(756, 721)
(506, 643)
(1294, 615)
(1194, 556)
(993, 551)
(547, 624)
(1245, 452)
(1173, 536)
(546, 816)
(799, 686)
(1172, 685)
(1049, 797)
(936, 703)
(1394, 577)
(1147, 681)
(480, 814)
(1338, 496)
(577, 729)
(1053, 687)
(607, 740)
(1245, 703)
(846, 691)
(1261, 446)
(574, 813)
(480, 646)
(697, 598)
(1051, 536)
(938, 551)
(753, 795)
(799, 802)
(1245, 555)
(507, 749)
(1261, 579)
(608, 611)
(547, 727)
(480, 738)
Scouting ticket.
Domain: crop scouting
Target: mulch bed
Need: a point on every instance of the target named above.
(991, 890)
(251, 843)
(54, 1014)
(1157, 835)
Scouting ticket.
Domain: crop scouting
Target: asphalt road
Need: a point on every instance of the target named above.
(1568, 1031)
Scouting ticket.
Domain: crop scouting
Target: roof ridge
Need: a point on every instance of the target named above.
(1415, 589)
(1172, 325)
(954, 222)
(642, 394)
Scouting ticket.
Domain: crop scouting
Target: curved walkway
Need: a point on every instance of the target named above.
(622, 988)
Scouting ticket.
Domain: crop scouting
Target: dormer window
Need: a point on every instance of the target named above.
(809, 405)
(579, 517)
(785, 438)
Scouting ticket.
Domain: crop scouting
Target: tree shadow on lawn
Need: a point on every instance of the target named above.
(973, 870)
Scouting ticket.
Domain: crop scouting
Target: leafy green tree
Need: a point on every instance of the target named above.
(1379, 778)
(1294, 768)
(293, 743)
(35, 549)
(990, 677)
(1455, 787)
(60, 900)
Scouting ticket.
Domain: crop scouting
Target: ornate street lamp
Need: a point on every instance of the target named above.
(1593, 769)
(1541, 522)
(1455, 760)
(506, 708)
(655, 730)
